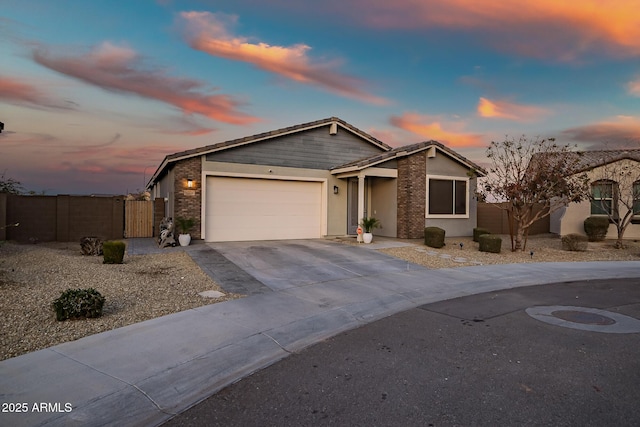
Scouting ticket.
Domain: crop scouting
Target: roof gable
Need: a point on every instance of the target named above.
(316, 148)
(593, 159)
(407, 150)
(333, 122)
(588, 160)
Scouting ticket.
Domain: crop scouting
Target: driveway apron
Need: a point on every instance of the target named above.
(286, 264)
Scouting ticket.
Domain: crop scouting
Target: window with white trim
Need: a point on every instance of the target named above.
(447, 197)
(602, 198)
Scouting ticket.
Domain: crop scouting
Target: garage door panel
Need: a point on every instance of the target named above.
(262, 209)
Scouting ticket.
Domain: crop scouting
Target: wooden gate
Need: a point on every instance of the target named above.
(138, 218)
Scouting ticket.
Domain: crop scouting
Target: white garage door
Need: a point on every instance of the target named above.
(262, 209)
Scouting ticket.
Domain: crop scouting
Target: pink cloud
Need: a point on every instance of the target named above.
(210, 33)
(545, 28)
(192, 132)
(119, 69)
(551, 29)
(634, 87)
(14, 90)
(19, 92)
(113, 154)
(619, 132)
(502, 109)
(111, 166)
(431, 128)
(388, 136)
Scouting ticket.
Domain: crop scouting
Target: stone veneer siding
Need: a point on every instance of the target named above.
(412, 193)
(188, 205)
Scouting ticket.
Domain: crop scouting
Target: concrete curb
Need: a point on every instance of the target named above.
(145, 373)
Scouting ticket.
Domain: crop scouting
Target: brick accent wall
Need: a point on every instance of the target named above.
(412, 193)
(188, 200)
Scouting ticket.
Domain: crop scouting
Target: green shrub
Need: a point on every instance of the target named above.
(113, 252)
(369, 224)
(574, 242)
(78, 303)
(434, 237)
(490, 243)
(596, 227)
(185, 224)
(477, 232)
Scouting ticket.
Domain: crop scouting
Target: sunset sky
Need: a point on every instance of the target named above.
(95, 93)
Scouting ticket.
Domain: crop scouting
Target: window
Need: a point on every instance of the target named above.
(447, 197)
(602, 202)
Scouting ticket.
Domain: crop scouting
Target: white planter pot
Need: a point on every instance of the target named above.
(184, 239)
(367, 237)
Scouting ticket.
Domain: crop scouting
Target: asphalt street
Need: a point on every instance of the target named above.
(471, 361)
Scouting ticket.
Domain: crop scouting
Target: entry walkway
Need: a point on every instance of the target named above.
(142, 374)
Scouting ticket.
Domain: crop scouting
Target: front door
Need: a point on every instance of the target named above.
(352, 205)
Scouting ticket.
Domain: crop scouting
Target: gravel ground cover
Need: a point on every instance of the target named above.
(149, 286)
(545, 248)
(144, 287)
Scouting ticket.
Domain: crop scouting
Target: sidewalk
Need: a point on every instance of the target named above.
(144, 373)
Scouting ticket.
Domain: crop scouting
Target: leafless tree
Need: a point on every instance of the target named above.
(527, 173)
(10, 185)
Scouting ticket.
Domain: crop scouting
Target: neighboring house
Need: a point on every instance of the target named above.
(614, 175)
(315, 180)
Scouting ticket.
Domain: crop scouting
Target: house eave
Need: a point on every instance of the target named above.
(202, 151)
(406, 151)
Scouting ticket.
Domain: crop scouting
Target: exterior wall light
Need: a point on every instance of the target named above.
(189, 183)
(335, 189)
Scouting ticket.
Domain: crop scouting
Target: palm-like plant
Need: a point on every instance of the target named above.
(185, 224)
(369, 224)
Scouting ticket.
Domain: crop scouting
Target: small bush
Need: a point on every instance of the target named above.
(574, 242)
(596, 228)
(78, 304)
(477, 232)
(91, 246)
(434, 237)
(113, 252)
(490, 243)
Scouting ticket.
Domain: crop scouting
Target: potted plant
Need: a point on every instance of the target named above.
(369, 224)
(185, 225)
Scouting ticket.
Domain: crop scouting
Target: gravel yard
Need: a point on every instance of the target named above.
(144, 287)
(149, 286)
(545, 248)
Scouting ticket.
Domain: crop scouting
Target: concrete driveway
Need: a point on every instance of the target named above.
(143, 374)
(284, 264)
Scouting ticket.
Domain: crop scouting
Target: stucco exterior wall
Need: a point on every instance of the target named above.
(164, 189)
(573, 219)
(384, 191)
(576, 213)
